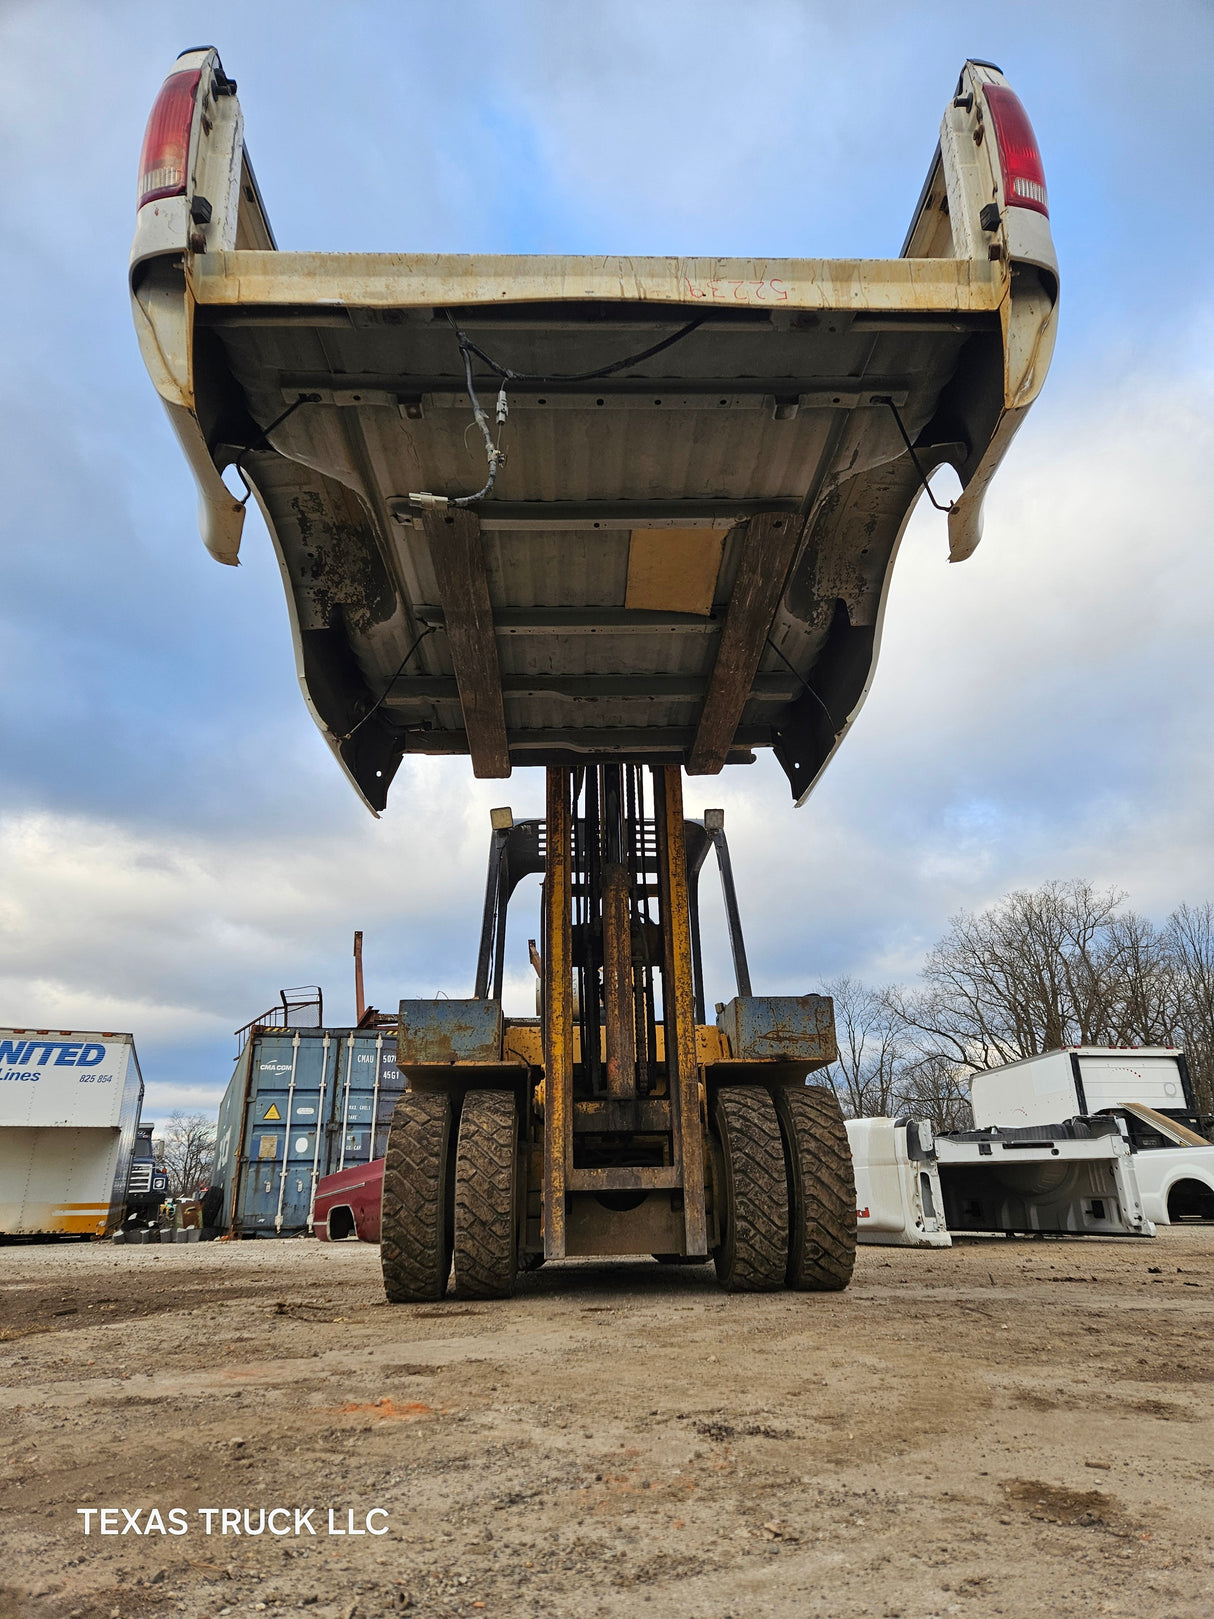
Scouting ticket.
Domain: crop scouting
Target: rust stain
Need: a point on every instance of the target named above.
(386, 1409)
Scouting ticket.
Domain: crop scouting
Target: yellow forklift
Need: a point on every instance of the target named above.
(619, 1121)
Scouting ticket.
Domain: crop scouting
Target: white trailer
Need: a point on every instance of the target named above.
(915, 1189)
(69, 1109)
(1079, 1080)
(1150, 1093)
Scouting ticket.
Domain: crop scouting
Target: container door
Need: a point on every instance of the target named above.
(297, 1193)
(273, 1062)
(355, 1101)
(391, 1084)
(259, 1197)
(315, 1081)
(279, 1116)
(364, 1078)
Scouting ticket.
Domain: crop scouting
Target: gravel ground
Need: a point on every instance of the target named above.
(1002, 1428)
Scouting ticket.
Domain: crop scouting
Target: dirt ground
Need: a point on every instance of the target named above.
(1001, 1428)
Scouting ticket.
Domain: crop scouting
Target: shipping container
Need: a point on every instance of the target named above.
(69, 1109)
(301, 1103)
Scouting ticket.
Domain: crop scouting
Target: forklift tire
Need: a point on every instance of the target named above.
(753, 1255)
(415, 1226)
(486, 1216)
(821, 1189)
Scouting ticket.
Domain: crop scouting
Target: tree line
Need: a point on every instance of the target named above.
(184, 1150)
(1065, 964)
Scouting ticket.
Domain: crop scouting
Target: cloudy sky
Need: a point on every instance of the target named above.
(176, 842)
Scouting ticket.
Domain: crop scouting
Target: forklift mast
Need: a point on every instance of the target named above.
(617, 941)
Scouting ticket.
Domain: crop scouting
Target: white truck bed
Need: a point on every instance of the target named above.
(1148, 1089)
(899, 1203)
(1071, 1179)
(685, 550)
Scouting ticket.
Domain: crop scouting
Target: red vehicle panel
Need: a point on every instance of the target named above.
(347, 1203)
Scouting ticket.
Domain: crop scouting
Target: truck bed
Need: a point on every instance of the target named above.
(683, 558)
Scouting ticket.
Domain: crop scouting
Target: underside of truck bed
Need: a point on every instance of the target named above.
(655, 576)
(701, 467)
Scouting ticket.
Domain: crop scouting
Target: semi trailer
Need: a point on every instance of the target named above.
(69, 1109)
(621, 519)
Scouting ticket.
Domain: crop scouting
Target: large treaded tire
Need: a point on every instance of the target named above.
(486, 1212)
(415, 1222)
(821, 1189)
(753, 1255)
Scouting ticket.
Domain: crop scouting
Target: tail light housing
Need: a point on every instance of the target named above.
(1019, 155)
(163, 162)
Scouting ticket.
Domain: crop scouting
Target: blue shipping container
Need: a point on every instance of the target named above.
(301, 1104)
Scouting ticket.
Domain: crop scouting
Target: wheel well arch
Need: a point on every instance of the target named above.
(1190, 1198)
(341, 1222)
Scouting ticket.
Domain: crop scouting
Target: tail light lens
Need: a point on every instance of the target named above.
(1023, 175)
(166, 141)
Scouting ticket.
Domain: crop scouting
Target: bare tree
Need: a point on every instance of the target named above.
(870, 1036)
(1190, 939)
(1141, 990)
(186, 1149)
(933, 1087)
(1053, 966)
(1061, 965)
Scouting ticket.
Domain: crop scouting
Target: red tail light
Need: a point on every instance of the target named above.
(166, 141)
(1023, 175)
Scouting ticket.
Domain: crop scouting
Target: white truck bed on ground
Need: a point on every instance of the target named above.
(1148, 1089)
(915, 1189)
